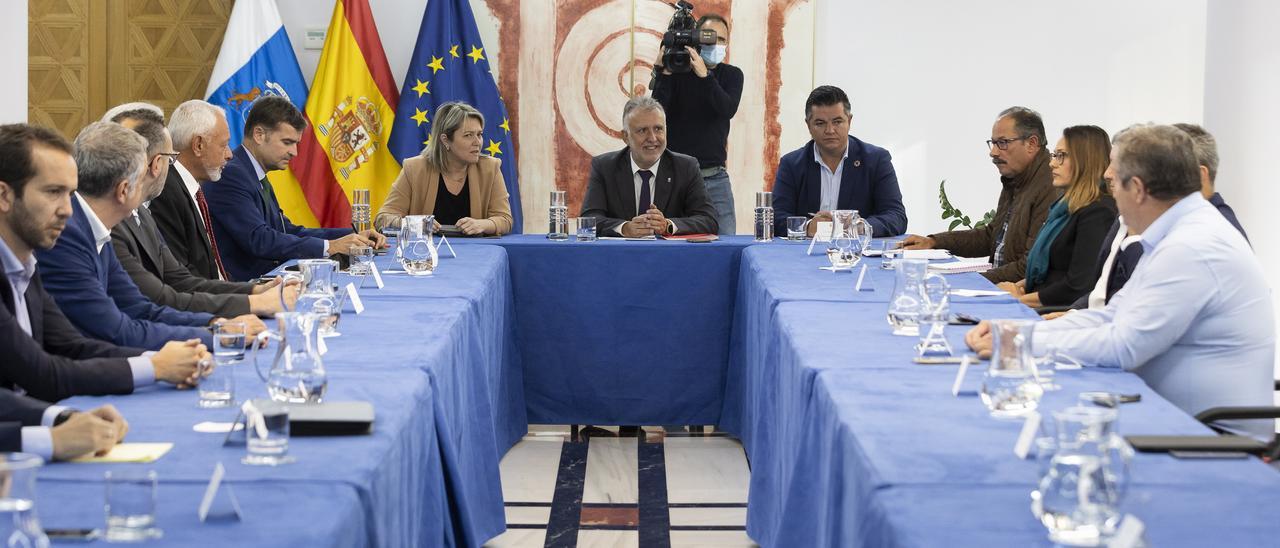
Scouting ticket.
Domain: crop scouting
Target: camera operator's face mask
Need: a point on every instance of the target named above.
(713, 55)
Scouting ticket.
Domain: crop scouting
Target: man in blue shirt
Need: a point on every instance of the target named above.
(1195, 320)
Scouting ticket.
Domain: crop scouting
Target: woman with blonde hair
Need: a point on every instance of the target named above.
(1063, 262)
(451, 179)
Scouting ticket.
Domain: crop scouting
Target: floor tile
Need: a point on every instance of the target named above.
(710, 538)
(528, 515)
(518, 538)
(612, 469)
(529, 470)
(608, 539)
(708, 516)
(706, 470)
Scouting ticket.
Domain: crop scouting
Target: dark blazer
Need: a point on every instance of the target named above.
(254, 236)
(144, 255)
(15, 412)
(55, 361)
(868, 184)
(179, 222)
(1073, 255)
(677, 191)
(99, 298)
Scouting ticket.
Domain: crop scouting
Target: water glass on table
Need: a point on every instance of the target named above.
(361, 261)
(586, 229)
(218, 383)
(266, 433)
(796, 227)
(131, 506)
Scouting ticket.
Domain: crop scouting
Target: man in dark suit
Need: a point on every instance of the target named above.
(645, 189)
(44, 353)
(82, 271)
(200, 135)
(835, 170)
(252, 233)
(55, 432)
(160, 277)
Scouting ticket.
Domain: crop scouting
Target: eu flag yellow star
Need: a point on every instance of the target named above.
(454, 51)
(421, 88)
(476, 54)
(419, 116)
(427, 143)
(505, 125)
(494, 148)
(436, 64)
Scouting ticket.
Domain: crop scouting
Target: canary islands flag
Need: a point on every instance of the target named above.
(449, 64)
(256, 59)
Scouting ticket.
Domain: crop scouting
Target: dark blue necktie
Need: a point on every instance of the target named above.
(645, 199)
(1123, 267)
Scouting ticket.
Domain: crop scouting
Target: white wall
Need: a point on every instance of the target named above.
(1242, 86)
(13, 64)
(927, 78)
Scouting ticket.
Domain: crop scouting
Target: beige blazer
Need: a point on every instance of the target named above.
(414, 193)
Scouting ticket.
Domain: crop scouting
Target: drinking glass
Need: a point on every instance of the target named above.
(888, 259)
(131, 505)
(19, 522)
(218, 384)
(361, 261)
(266, 433)
(586, 229)
(796, 228)
(935, 312)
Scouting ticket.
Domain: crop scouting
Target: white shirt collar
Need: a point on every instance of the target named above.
(15, 269)
(636, 167)
(188, 179)
(257, 168)
(1166, 221)
(101, 234)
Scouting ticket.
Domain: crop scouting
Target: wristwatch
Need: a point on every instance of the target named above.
(64, 416)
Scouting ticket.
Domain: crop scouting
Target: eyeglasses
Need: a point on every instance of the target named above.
(1003, 144)
(1058, 156)
(171, 156)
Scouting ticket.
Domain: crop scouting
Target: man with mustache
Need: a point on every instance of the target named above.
(1017, 148)
(252, 233)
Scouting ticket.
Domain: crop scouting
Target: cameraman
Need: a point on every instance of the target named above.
(699, 104)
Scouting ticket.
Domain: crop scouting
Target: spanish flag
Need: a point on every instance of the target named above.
(349, 112)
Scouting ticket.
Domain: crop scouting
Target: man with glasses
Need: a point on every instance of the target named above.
(145, 256)
(1017, 148)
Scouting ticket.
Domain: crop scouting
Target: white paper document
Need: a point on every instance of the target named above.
(977, 292)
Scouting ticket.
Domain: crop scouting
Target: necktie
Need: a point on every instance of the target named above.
(208, 232)
(1123, 267)
(272, 210)
(645, 199)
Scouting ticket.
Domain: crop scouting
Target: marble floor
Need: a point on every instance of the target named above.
(670, 488)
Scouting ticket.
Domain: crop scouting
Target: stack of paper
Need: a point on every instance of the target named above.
(930, 254)
(961, 265)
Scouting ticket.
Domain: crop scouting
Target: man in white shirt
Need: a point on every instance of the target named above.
(1195, 320)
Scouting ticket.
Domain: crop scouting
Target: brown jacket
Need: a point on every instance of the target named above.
(414, 193)
(1026, 200)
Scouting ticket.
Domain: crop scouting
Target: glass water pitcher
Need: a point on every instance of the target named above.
(297, 373)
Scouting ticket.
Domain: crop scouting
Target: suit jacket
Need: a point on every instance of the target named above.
(144, 255)
(179, 223)
(100, 299)
(15, 412)
(55, 361)
(868, 184)
(253, 236)
(1025, 201)
(414, 193)
(1074, 252)
(678, 192)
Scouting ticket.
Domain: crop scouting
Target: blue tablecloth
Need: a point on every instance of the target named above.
(622, 332)
(435, 357)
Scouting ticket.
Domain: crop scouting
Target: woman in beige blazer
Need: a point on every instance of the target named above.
(451, 180)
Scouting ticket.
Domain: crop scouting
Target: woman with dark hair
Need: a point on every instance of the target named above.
(1063, 261)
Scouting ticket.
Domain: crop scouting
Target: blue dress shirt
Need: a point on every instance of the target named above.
(1195, 320)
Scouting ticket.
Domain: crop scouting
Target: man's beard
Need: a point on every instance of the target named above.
(27, 228)
(214, 173)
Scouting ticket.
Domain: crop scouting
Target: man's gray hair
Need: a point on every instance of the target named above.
(1206, 148)
(154, 134)
(192, 119)
(640, 103)
(105, 154)
(1026, 122)
(1163, 157)
(128, 107)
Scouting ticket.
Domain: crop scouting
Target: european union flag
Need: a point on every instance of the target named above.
(449, 64)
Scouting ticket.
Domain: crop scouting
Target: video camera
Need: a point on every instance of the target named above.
(682, 31)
